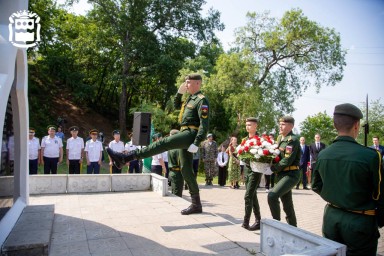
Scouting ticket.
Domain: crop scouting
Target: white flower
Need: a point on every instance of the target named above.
(253, 151)
(277, 152)
(260, 152)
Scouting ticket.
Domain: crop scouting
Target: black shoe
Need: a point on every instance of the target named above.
(195, 207)
(255, 226)
(297, 187)
(245, 223)
(120, 159)
(306, 188)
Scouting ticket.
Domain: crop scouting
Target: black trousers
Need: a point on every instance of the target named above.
(74, 166)
(33, 164)
(222, 175)
(50, 165)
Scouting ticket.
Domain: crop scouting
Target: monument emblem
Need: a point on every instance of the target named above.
(24, 29)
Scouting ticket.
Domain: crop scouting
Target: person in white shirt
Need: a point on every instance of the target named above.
(51, 151)
(117, 146)
(157, 165)
(222, 161)
(93, 151)
(34, 152)
(134, 166)
(75, 151)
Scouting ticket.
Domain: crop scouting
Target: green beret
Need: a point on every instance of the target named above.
(73, 128)
(93, 131)
(348, 110)
(251, 119)
(194, 77)
(115, 132)
(51, 127)
(287, 119)
(173, 132)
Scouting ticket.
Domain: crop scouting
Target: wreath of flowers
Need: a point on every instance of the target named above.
(258, 149)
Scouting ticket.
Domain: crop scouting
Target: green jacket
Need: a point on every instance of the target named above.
(349, 175)
(290, 152)
(194, 111)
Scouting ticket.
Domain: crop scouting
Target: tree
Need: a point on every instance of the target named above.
(144, 32)
(375, 119)
(320, 123)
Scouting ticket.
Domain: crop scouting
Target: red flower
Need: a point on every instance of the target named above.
(258, 143)
(243, 142)
(246, 148)
(265, 152)
(251, 143)
(277, 159)
(240, 151)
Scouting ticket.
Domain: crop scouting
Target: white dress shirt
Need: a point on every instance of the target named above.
(74, 147)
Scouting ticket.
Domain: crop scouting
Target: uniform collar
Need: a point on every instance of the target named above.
(345, 138)
(193, 96)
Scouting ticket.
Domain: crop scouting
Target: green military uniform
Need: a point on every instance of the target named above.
(175, 175)
(251, 202)
(349, 177)
(288, 175)
(193, 128)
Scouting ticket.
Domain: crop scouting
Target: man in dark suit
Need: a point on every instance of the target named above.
(376, 145)
(304, 161)
(314, 150)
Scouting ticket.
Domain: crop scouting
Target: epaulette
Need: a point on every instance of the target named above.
(201, 96)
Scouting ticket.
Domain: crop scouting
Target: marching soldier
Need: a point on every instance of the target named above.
(193, 119)
(287, 171)
(349, 177)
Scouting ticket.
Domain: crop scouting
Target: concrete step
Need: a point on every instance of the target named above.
(32, 233)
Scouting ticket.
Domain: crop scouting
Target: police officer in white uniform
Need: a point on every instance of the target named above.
(134, 166)
(93, 152)
(75, 151)
(34, 152)
(118, 146)
(51, 150)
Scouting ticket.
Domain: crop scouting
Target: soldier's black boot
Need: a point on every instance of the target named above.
(195, 207)
(245, 223)
(120, 159)
(256, 225)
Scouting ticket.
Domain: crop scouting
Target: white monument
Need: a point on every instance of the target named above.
(14, 83)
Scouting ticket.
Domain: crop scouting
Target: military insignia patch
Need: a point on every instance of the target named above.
(288, 151)
(204, 111)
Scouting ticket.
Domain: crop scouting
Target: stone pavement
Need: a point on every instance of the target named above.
(143, 223)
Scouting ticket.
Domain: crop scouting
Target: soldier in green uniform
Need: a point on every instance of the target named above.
(349, 177)
(193, 121)
(286, 171)
(252, 181)
(175, 175)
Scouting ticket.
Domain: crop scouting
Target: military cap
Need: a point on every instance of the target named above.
(51, 127)
(173, 132)
(93, 131)
(115, 132)
(349, 110)
(31, 130)
(209, 135)
(156, 136)
(287, 119)
(251, 119)
(194, 77)
(73, 128)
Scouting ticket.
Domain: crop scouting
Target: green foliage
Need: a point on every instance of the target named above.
(375, 119)
(320, 123)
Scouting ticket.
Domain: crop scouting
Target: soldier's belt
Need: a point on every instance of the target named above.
(364, 212)
(175, 169)
(185, 127)
(291, 168)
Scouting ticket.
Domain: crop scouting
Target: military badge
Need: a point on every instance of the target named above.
(204, 111)
(288, 151)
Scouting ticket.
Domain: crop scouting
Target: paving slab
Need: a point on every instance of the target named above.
(145, 223)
